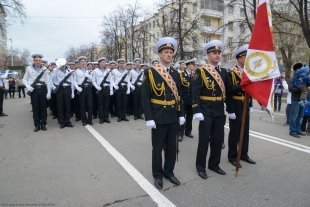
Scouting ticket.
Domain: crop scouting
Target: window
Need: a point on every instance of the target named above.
(242, 12)
(242, 28)
(230, 9)
(212, 4)
(207, 39)
(231, 26)
(230, 40)
(194, 7)
(154, 24)
(207, 22)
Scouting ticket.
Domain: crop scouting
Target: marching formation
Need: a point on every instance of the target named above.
(168, 98)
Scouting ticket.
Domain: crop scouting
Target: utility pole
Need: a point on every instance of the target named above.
(11, 51)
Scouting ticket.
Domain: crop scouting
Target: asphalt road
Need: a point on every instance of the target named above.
(72, 167)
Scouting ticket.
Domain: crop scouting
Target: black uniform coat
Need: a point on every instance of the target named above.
(159, 113)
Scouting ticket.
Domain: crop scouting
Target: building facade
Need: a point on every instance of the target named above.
(201, 21)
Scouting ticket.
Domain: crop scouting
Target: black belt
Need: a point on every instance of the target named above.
(85, 85)
(39, 86)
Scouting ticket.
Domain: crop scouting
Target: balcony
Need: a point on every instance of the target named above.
(211, 30)
(212, 13)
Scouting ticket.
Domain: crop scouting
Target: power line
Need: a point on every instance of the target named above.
(66, 17)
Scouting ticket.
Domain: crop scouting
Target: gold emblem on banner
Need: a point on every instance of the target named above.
(259, 64)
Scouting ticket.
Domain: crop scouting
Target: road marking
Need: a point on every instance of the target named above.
(293, 145)
(156, 196)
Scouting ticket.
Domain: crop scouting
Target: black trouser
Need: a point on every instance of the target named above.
(76, 105)
(211, 130)
(21, 88)
(164, 136)
(288, 112)
(188, 111)
(103, 103)
(234, 135)
(63, 99)
(11, 91)
(121, 102)
(1, 99)
(130, 104)
(39, 105)
(53, 104)
(86, 102)
(112, 105)
(277, 102)
(137, 101)
(95, 102)
(305, 124)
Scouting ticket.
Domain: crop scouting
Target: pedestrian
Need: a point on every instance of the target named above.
(21, 87)
(136, 75)
(2, 91)
(163, 111)
(186, 77)
(82, 82)
(297, 106)
(209, 93)
(62, 79)
(37, 82)
(102, 80)
(235, 102)
(278, 92)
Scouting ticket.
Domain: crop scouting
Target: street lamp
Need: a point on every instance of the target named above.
(11, 51)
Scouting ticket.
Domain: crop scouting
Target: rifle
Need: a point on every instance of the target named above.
(36, 81)
(84, 81)
(104, 80)
(123, 78)
(62, 82)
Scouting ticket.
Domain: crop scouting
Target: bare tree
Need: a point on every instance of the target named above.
(13, 9)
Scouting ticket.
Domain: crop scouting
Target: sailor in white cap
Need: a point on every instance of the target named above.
(154, 62)
(208, 94)
(122, 87)
(37, 82)
(163, 110)
(234, 108)
(136, 75)
(103, 82)
(112, 66)
(62, 81)
(82, 83)
(186, 79)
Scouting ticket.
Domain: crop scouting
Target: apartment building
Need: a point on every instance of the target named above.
(219, 20)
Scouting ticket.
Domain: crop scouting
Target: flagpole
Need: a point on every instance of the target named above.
(244, 113)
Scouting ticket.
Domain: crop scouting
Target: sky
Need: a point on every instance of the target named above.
(53, 26)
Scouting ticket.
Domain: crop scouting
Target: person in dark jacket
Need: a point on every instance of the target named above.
(297, 109)
(163, 111)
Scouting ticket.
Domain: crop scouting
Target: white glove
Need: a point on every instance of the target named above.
(116, 87)
(199, 116)
(232, 116)
(132, 87)
(30, 88)
(181, 120)
(98, 88)
(79, 89)
(53, 87)
(72, 95)
(150, 124)
(111, 93)
(251, 110)
(128, 92)
(48, 96)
